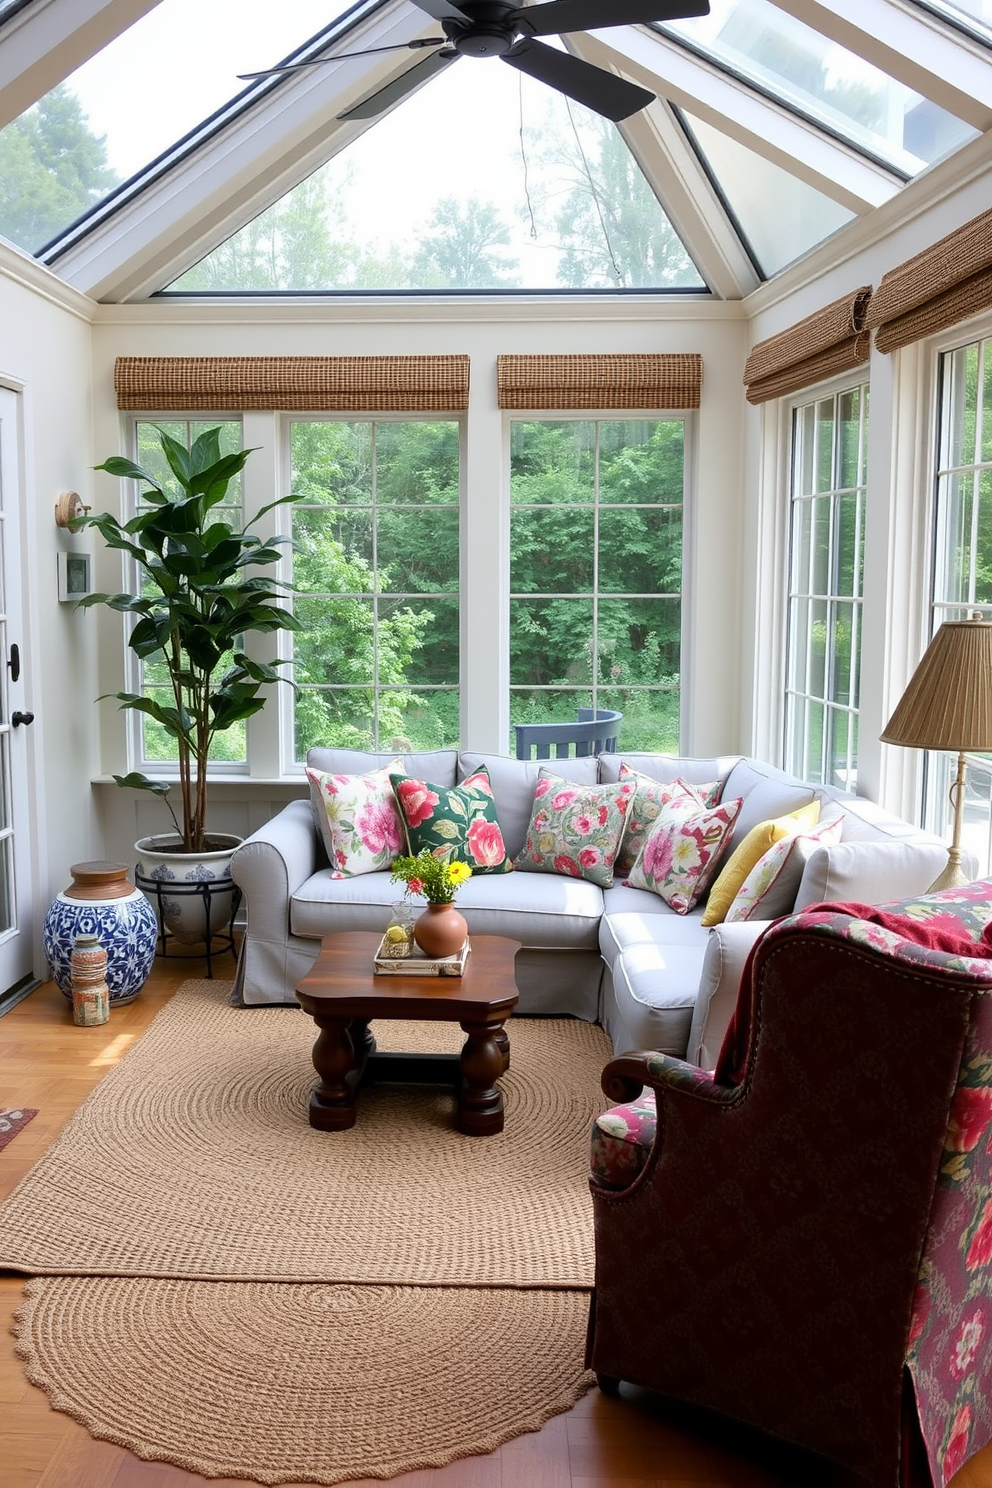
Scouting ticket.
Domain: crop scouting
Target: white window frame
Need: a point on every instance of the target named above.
(934, 771)
(832, 390)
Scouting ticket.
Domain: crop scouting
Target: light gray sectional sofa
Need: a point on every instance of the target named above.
(653, 978)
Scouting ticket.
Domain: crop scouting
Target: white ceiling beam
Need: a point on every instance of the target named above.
(44, 43)
(772, 131)
(911, 45)
(673, 171)
(250, 163)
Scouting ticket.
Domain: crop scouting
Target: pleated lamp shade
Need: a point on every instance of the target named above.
(948, 703)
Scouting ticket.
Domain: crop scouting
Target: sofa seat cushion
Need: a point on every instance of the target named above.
(653, 995)
(632, 927)
(621, 1139)
(542, 911)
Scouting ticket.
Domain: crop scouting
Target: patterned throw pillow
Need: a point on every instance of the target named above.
(576, 829)
(458, 822)
(680, 858)
(749, 853)
(357, 819)
(771, 887)
(650, 797)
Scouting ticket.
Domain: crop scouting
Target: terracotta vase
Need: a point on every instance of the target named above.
(440, 930)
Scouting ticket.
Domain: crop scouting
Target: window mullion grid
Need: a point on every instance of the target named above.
(595, 569)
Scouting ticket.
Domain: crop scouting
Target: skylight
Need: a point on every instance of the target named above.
(747, 182)
(482, 180)
(976, 15)
(827, 83)
(133, 100)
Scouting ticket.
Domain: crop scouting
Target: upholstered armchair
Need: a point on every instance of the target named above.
(802, 1239)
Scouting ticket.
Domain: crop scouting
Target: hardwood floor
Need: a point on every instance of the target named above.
(636, 1441)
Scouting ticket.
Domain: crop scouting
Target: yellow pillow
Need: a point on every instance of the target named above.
(746, 855)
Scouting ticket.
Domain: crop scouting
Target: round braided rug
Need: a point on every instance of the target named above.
(297, 1382)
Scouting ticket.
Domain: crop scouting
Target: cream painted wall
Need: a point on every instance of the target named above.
(45, 357)
(713, 619)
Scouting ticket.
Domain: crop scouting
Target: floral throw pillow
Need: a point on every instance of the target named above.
(457, 822)
(682, 853)
(576, 829)
(771, 887)
(650, 797)
(357, 819)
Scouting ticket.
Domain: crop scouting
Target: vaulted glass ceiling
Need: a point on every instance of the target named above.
(132, 158)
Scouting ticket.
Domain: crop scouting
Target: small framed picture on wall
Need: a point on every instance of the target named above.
(74, 575)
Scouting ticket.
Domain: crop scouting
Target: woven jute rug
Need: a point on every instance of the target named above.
(194, 1157)
(220, 1287)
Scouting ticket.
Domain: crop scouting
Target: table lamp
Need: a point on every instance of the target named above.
(948, 705)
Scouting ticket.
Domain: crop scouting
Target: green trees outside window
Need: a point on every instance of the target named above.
(376, 572)
(596, 529)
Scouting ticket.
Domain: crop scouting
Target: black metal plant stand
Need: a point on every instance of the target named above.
(215, 942)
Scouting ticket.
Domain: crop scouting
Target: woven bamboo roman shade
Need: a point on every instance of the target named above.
(359, 384)
(652, 380)
(830, 341)
(940, 286)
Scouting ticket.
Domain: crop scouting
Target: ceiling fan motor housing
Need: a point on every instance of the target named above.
(487, 31)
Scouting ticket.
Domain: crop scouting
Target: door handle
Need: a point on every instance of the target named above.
(19, 718)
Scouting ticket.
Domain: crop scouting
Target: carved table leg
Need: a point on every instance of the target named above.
(332, 1100)
(502, 1038)
(483, 1060)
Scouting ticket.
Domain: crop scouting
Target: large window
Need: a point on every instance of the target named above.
(376, 569)
(829, 452)
(963, 562)
(596, 526)
(153, 747)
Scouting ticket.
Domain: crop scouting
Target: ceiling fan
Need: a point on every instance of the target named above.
(498, 28)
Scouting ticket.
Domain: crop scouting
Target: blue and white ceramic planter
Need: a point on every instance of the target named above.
(124, 922)
(193, 891)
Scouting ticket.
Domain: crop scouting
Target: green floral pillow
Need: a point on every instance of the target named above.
(576, 829)
(457, 822)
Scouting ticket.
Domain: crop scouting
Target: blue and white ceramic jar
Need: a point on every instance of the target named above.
(100, 901)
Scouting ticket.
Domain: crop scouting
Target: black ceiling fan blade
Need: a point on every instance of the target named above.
(441, 10)
(558, 17)
(597, 89)
(378, 102)
(402, 46)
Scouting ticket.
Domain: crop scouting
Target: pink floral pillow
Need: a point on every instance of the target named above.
(576, 829)
(771, 887)
(651, 796)
(681, 855)
(357, 819)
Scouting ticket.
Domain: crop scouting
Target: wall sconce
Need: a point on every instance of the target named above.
(68, 509)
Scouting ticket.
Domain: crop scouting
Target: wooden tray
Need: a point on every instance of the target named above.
(417, 964)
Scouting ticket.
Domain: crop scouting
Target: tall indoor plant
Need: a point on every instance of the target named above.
(200, 592)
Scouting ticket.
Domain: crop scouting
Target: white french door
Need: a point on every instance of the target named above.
(16, 878)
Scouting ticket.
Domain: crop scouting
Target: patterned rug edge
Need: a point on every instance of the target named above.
(13, 1119)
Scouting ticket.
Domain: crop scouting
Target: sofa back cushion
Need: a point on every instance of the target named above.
(513, 785)
(666, 767)
(767, 793)
(434, 764)
(870, 872)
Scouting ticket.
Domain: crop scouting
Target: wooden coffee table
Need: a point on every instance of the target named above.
(343, 996)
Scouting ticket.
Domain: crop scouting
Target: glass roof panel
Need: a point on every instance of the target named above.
(482, 180)
(824, 81)
(975, 15)
(133, 100)
(747, 182)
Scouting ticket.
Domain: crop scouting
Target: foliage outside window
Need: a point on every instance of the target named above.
(376, 562)
(962, 581)
(829, 453)
(154, 746)
(596, 526)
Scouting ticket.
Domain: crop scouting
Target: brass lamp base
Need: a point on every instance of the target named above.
(953, 875)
